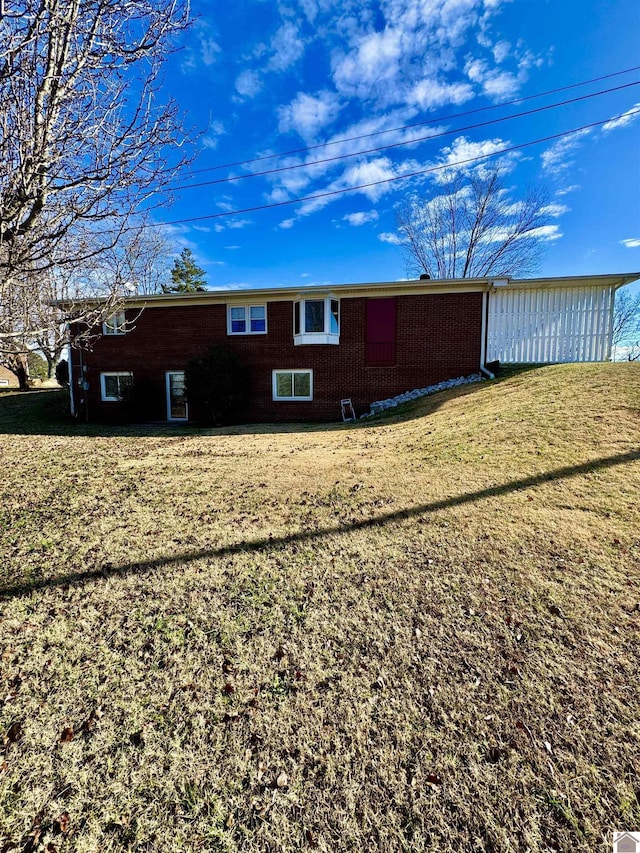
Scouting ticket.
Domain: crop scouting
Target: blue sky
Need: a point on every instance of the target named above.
(260, 77)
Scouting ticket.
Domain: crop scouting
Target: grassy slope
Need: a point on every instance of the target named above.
(417, 634)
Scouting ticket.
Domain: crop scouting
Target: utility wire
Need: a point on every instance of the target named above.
(413, 141)
(403, 177)
(436, 120)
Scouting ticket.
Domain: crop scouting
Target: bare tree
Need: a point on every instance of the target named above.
(36, 310)
(472, 228)
(84, 136)
(625, 336)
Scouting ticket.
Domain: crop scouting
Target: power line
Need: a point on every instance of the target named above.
(338, 157)
(436, 120)
(403, 177)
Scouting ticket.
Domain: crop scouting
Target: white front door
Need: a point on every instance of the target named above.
(177, 409)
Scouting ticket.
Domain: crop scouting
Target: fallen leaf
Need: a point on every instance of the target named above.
(137, 739)
(228, 689)
(61, 824)
(14, 732)
(434, 779)
(494, 754)
(283, 780)
(66, 735)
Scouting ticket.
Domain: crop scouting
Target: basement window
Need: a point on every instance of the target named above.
(316, 321)
(115, 325)
(114, 386)
(293, 385)
(247, 319)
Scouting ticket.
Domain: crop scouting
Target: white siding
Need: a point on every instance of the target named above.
(554, 324)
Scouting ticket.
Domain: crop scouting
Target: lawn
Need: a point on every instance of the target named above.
(420, 633)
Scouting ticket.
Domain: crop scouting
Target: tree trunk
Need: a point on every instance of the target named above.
(21, 373)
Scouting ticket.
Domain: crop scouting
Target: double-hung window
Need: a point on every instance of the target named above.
(247, 319)
(316, 321)
(116, 324)
(114, 386)
(293, 385)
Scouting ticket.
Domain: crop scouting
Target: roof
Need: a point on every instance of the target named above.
(380, 289)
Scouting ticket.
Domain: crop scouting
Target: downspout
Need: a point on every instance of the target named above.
(83, 386)
(72, 396)
(484, 336)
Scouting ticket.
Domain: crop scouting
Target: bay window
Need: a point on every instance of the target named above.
(316, 321)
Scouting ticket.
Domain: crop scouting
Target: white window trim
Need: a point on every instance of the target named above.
(119, 328)
(247, 306)
(274, 382)
(103, 390)
(304, 337)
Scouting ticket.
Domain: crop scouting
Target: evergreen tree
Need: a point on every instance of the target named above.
(186, 275)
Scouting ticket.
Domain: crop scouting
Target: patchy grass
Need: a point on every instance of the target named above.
(416, 634)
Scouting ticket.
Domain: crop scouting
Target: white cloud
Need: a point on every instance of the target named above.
(626, 118)
(238, 223)
(569, 189)
(248, 83)
(209, 50)
(557, 157)
(287, 47)
(631, 242)
(211, 140)
(429, 93)
(496, 83)
(361, 217)
(375, 59)
(389, 237)
(462, 156)
(377, 172)
(307, 114)
(287, 223)
(501, 51)
(232, 247)
(546, 233)
(554, 210)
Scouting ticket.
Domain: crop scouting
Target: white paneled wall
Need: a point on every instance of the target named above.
(553, 324)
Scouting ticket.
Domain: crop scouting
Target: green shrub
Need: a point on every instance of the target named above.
(62, 373)
(143, 401)
(217, 385)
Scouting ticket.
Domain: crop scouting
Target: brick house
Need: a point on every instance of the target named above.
(308, 348)
(7, 378)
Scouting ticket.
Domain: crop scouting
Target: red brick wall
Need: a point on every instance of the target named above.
(438, 337)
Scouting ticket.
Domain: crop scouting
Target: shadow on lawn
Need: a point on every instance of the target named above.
(274, 543)
(45, 412)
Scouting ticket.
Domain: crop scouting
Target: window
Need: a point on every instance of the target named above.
(114, 386)
(115, 325)
(246, 319)
(316, 321)
(293, 385)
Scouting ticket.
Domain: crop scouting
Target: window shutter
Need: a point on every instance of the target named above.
(381, 332)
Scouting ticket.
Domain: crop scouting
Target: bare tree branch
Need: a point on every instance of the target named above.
(625, 337)
(473, 229)
(84, 136)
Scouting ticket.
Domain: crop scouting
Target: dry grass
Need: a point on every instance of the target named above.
(418, 634)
